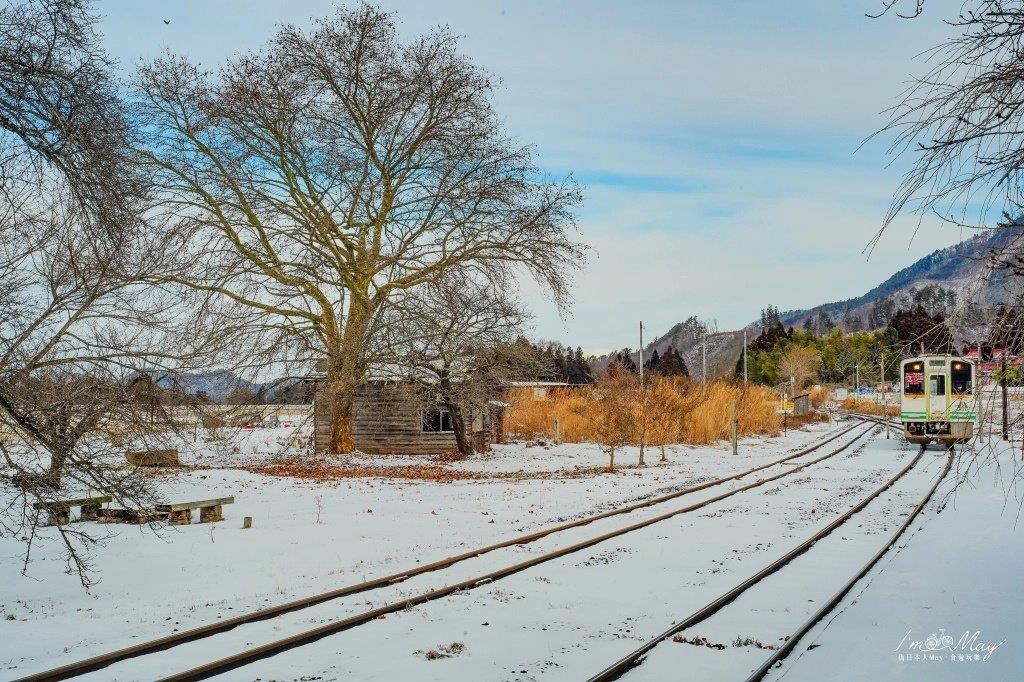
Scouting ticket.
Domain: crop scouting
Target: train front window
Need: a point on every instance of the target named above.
(938, 384)
(960, 377)
(913, 379)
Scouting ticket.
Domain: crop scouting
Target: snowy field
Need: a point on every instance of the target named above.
(562, 620)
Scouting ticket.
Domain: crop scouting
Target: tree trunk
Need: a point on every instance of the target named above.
(462, 443)
(58, 457)
(341, 423)
(346, 371)
(641, 462)
(663, 457)
(611, 459)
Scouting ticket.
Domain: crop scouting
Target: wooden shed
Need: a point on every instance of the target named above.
(802, 404)
(400, 417)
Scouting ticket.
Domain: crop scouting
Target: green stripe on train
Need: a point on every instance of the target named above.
(952, 415)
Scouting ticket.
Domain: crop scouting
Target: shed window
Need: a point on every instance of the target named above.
(437, 421)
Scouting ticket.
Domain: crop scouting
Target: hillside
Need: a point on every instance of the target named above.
(954, 280)
(941, 281)
(687, 337)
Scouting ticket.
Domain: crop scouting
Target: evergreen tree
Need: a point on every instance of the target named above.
(624, 358)
(561, 368)
(772, 332)
(915, 328)
(583, 375)
(653, 365)
(672, 364)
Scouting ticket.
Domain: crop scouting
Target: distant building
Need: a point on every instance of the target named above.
(538, 389)
(988, 360)
(802, 404)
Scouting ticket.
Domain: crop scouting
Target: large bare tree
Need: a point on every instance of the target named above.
(318, 179)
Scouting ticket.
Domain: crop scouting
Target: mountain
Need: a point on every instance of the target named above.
(953, 281)
(946, 281)
(689, 338)
(216, 385)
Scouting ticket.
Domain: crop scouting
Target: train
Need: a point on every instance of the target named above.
(938, 400)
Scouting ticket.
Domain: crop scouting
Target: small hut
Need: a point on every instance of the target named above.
(403, 417)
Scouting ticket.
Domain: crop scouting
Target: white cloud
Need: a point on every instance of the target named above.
(743, 116)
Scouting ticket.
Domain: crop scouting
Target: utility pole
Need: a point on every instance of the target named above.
(856, 378)
(744, 356)
(881, 373)
(641, 353)
(1006, 407)
(782, 394)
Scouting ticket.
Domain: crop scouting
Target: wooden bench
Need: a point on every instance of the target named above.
(59, 511)
(180, 513)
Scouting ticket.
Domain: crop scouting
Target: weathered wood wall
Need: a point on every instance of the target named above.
(388, 419)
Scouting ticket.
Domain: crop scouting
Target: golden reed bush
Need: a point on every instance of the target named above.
(529, 417)
(701, 411)
(869, 406)
(819, 394)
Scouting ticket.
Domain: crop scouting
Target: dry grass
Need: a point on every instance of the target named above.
(702, 412)
(869, 406)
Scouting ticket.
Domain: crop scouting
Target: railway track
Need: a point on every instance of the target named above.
(636, 657)
(794, 638)
(257, 653)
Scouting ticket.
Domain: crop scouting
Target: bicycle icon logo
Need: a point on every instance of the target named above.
(938, 641)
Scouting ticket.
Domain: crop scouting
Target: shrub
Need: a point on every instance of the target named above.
(700, 412)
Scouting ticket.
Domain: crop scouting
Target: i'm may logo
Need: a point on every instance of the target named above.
(939, 646)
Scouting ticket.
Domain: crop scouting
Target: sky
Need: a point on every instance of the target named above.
(716, 142)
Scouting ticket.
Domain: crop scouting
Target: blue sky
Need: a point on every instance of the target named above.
(715, 140)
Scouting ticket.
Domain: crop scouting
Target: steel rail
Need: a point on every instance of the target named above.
(104, 660)
(273, 648)
(791, 641)
(635, 657)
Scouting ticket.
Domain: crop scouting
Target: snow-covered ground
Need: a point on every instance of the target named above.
(562, 620)
(957, 574)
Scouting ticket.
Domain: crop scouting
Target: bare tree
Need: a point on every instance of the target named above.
(614, 422)
(666, 408)
(317, 180)
(77, 321)
(59, 102)
(961, 122)
(457, 339)
(801, 363)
